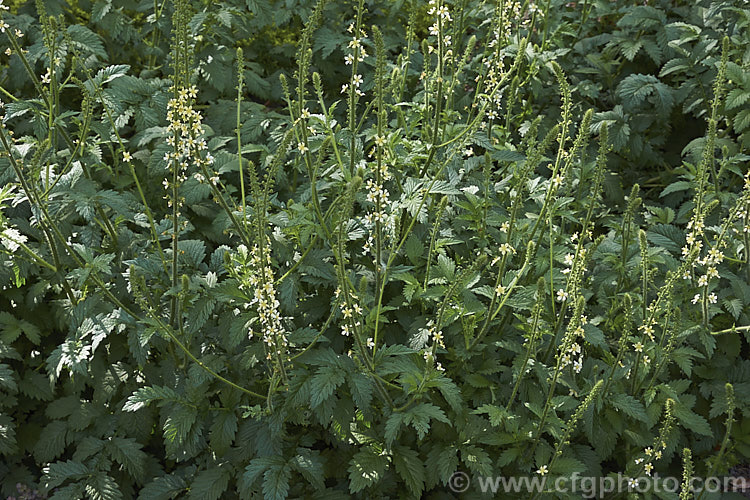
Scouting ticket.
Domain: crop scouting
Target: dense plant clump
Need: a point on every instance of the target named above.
(272, 249)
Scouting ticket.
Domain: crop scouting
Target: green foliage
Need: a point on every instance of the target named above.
(227, 276)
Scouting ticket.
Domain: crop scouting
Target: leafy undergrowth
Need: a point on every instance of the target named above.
(277, 249)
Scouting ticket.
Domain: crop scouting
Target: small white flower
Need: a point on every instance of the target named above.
(712, 298)
(562, 295)
(302, 147)
(507, 248)
(542, 470)
(638, 347)
(126, 156)
(557, 180)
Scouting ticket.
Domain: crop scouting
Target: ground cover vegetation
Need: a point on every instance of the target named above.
(271, 249)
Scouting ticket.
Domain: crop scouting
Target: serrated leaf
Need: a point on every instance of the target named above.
(666, 236)
(362, 389)
(86, 40)
(476, 459)
(73, 491)
(737, 98)
(128, 452)
(675, 187)
(733, 306)
(309, 464)
(209, 484)
(566, 466)
(276, 482)
(447, 463)
(392, 426)
(13, 328)
(8, 443)
(223, 430)
(508, 155)
(51, 442)
(415, 249)
(324, 383)
(7, 378)
(261, 9)
(366, 468)
(178, 424)
(419, 416)
(742, 121)
(163, 488)
(495, 414)
(57, 473)
(146, 395)
(450, 392)
(691, 420)
(100, 486)
(630, 406)
(411, 469)
(683, 356)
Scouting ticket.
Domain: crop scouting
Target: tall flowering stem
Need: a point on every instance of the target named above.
(686, 488)
(568, 348)
(570, 427)
(651, 454)
(255, 275)
(181, 117)
(716, 459)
